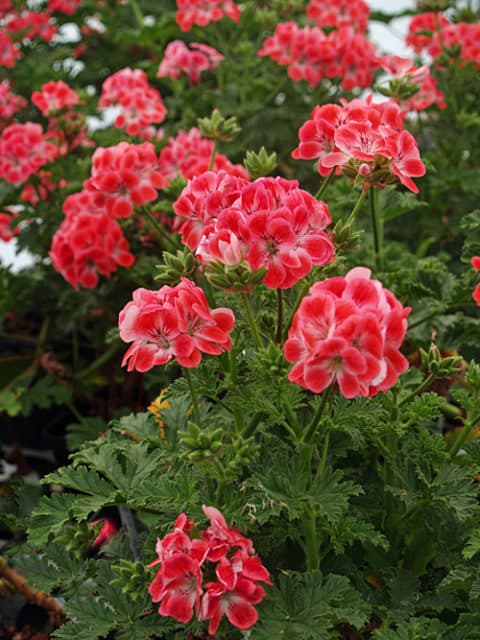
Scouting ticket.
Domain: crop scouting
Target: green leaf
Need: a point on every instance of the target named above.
(88, 429)
(473, 545)
(331, 493)
(49, 517)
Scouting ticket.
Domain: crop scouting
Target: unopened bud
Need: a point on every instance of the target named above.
(217, 127)
(260, 164)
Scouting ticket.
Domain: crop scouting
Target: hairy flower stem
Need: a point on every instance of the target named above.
(356, 209)
(312, 547)
(212, 157)
(312, 427)
(169, 243)
(324, 185)
(128, 524)
(137, 13)
(251, 320)
(421, 387)
(377, 225)
(463, 436)
(279, 316)
(193, 395)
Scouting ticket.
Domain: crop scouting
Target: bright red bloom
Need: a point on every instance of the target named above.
(202, 12)
(365, 141)
(339, 13)
(312, 56)
(178, 581)
(54, 96)
(141, 104)
(23, 150)
(188, 155)
(9, 102)
(126, 174)
(107, 530)
(178, 59)
(8, 229)
(174, 322)
(68, 7)
(349, 331)
(31, 25)
(421, 29)
(9, 52)
(86, 245)
(476, 292)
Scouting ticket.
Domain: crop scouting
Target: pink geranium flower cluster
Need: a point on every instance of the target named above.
(202, 12)
(268, 224)
(476, 293)
(141, 105)
(313, 56)
(86, 245)
(24, 148)
(339, 13)
(8, 228)
(444, 35)
(31, 25)
(348, 330)
(9, 52)
(10, 103)
(174, 322)
(178, 584)
(188, 155)
(178, 59)
(365, 141)
(54, 96)
(68, 7)
(403, 69)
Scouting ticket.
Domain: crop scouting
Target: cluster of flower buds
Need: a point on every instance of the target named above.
(268, 229)
(312, 55)
(348, 330)
(178, 59)
(413, 88)
(202, 12)
(140, 104)
(174, 322)
(186, 554)
(362, 140)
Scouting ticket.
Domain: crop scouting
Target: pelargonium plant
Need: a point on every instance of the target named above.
(248, 341)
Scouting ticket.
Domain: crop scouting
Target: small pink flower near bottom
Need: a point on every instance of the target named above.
(476, 292)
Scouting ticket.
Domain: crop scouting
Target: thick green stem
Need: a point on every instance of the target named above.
(212, 157)
(377, 225)
(421, 387)
(279, 316)
(324, 185)
(159, 229)
(356, 209)
(312, 548)
(99, 362)
(251, 320)
(193, 394)
(460, 440)
(252, 425)
(312, 427)
(138, 14)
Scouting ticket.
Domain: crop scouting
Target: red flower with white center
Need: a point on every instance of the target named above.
(54, 96)
(178, 581)
(127, 174)
(8, 229)
(188, 155)
(339, 13)
(406, 159)
(10, 103)
(23, 150)
(68, 7)
(476, 292)
(174, 322)
(421, 29)
(87, 245)
(178, 59)
(202, 12)
(140, 103)
(349, 331)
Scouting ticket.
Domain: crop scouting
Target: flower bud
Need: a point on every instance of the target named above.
(260, 164)
(217, 127)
